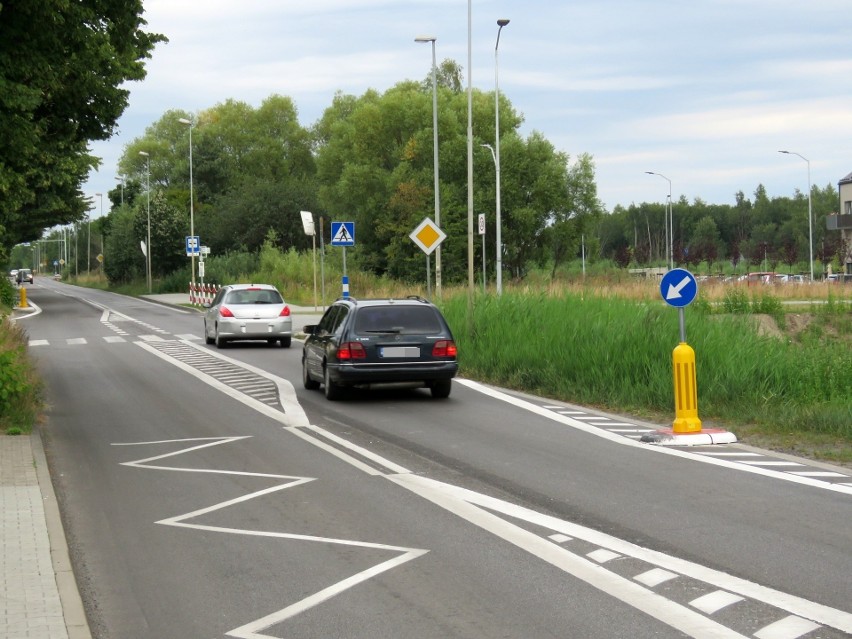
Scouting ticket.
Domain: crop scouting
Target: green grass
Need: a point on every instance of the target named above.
(617, 354)
(20, 385)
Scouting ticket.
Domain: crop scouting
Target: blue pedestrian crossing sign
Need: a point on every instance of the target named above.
(678, 288)
(343, 233)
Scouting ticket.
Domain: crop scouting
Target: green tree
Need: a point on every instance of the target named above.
(63, 68)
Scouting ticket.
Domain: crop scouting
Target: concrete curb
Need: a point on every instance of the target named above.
(72, 604)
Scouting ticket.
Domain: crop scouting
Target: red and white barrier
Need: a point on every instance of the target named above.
(202, 293)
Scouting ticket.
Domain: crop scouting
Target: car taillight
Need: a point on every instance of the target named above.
(444, 348)
(351, 350)
(224, 311)
(285, 312)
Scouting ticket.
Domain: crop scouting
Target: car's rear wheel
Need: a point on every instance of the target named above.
(332, 390)
(441, 388)
(285, 342)
(307, 381)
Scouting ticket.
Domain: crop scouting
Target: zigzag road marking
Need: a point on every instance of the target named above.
(254, 629)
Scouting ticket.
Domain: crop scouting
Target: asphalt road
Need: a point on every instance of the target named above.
(205, 493)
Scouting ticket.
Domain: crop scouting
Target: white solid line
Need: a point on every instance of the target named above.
(629, 430)
(790, 603)
(655, 577)
(787, 628)
(668, 612)
(713, 602)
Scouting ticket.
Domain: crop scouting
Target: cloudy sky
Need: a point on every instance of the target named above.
(705, 92)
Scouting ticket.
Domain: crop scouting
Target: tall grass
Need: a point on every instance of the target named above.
(617, 354)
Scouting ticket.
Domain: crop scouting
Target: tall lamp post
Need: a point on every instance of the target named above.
(147, 157)
(120, 178)
(432, 39)
(810, 214)
(497, 178)
(670, 225)
(500, 24)
(89, 233)
(191, 204)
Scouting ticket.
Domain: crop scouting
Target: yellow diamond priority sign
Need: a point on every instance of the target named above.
(427, 236)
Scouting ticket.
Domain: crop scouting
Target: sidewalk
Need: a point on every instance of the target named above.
(39, 597)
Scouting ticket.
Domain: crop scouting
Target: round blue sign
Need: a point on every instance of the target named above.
(678, 287)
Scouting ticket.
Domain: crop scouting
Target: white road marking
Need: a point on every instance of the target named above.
(714, 602)
(559, 538)
(254, 629)
(38, 342)
(75, 341)
(483, 511)
(661, 450)
(113, 339)
(602, 556)
(825, 473)
(771, 463)
(655, 577)
(789, 628)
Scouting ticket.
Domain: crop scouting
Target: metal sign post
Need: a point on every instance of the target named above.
(308, 225)
(428, 237)
(343, 234)
(482, 233)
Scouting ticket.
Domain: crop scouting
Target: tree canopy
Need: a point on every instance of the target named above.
(62, 70)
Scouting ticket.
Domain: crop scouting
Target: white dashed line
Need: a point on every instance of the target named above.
(715, 601)
(790, 627)
(655, 577)
(603, 555)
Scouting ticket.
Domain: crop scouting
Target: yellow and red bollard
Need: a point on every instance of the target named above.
(685, 390)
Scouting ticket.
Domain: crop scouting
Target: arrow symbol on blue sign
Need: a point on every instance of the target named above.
(674, 290)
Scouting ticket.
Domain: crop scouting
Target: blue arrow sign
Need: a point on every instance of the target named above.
(678, 288)
(343, 233)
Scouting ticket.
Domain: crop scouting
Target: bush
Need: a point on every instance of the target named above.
(8, 294)
(20, 388)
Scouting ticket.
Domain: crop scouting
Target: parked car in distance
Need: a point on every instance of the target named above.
(248, 312)
(13, 273)
(362, 343)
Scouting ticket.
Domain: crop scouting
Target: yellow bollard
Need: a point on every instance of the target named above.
(685, 390)
(23, 303)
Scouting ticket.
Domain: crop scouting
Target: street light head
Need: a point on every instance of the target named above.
(185, 121)
(425, 39)
(787, 152)
(502, 22)
(144, 154)
(99, 194)
(650, 172)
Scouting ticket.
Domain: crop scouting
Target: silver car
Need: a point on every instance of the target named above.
(248, 312)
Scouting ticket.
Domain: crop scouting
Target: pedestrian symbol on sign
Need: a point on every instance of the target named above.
(343, 233)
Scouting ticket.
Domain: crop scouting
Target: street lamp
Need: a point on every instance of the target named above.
(89, 233)
(500, 24)
(191, 205)
(120, 178)
(470, 164)
(810, 214)
(432, 39)
(670, 226)
(147, 157)
(497, 171)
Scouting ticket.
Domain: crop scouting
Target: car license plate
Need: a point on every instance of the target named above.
(401, 351)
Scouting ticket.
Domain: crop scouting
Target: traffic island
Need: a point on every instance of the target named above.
(704, 437)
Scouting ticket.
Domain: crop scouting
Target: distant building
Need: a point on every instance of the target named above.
(843, 222)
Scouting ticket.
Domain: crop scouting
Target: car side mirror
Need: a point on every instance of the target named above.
(310, 329)
(206, 305)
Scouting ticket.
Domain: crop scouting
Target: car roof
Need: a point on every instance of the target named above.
(411, 300)
(243, 287)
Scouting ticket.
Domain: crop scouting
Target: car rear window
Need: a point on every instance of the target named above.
(255, 296)
(413, 320)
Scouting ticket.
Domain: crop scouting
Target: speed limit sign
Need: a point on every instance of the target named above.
(482, 224)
